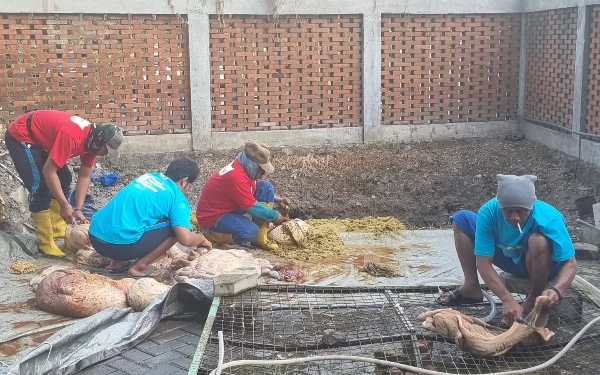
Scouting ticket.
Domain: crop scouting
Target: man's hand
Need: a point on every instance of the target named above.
(554, 299)
(204, 242)
(66, 212)
(79, 217)
(282, 201)
(511, 310)
(280, 219)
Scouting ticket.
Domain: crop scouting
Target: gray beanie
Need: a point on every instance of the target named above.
(516, 191)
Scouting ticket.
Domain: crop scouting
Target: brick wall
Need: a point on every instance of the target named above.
(593, 109)
(551, 39)
(132, 70)
(291, 73)
(449, 68)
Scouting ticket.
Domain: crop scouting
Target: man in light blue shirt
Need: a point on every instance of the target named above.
(519, 234)
(145, 218)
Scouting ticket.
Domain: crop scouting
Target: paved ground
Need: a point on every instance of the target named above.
(168, 351)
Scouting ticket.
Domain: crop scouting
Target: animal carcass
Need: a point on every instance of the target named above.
(91, 258)
(485, 340)
(207, 265)
(80, 294)
(143, 292)
(77, 238)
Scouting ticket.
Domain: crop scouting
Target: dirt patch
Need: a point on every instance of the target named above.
(421, 184)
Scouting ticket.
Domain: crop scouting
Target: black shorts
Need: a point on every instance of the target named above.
(152, 237)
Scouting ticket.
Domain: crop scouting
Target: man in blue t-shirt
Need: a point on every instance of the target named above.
(144, 219)
(520, 235)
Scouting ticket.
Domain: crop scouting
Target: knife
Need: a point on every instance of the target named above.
(524, 322)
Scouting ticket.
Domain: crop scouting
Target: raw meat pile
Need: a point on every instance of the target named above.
(77, 238)
(199, 264)
(79, 294)
(177, 265)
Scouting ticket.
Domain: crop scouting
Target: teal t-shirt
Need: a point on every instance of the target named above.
(144, 202)
(493, 230)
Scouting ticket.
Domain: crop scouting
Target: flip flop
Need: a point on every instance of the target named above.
(116, 272)
(455, 298)
(147, 274)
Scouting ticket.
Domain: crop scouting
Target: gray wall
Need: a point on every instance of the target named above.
(198, 12)
(571, 144)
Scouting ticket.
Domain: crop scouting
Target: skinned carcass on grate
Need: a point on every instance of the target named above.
(276, 322)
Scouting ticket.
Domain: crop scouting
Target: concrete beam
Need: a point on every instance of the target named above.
(541, 5)
(262, 6)
(281, 138)
(433, 132)
(149, 144)
(582, 53)
(371, 79)
(590, 152)
(565, 143)
(199, 46)
(522, 65)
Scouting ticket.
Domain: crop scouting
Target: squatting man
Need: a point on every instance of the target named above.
(520, 235)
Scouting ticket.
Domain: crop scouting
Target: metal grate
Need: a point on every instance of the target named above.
(282, 322)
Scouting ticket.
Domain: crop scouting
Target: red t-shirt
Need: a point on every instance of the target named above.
(228, 190)
(61, 134)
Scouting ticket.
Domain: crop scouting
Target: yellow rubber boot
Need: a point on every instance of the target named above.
(262, 240)
(43, 232)
(59, 226)
(219, 238)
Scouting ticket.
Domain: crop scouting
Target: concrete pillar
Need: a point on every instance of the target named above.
(522, 65)
(199, 35)
(371, 75)
(582, 53)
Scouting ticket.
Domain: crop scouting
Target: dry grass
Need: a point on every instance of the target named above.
(303, 165)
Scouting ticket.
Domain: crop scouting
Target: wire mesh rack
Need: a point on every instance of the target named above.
(283, 322)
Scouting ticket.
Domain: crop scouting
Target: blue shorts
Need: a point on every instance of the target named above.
(466, 221)
(152, 237)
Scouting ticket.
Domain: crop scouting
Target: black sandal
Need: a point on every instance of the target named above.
(455, 298)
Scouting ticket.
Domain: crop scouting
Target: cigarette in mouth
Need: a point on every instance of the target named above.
(519, 226)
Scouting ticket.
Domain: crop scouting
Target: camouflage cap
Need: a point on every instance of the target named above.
(108, 135)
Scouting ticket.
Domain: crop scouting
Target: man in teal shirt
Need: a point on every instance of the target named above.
(519, 234)
(144, 219)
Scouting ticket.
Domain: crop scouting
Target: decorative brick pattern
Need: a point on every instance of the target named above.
(131, 70)
(449, 68)
(551, 39)
(593, 110)
(289, 73)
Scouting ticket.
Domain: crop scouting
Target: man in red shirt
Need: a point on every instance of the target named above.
(236, 190)
(39, 144)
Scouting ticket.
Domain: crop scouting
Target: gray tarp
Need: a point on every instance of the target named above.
(18, 314)
(110, 332)
(85, 341)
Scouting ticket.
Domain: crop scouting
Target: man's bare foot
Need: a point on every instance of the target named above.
(140, 271)
(464, 294)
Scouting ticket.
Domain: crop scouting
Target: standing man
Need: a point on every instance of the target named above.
(145, 218)
(39, 144)
(522, 236)
(236, 190)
